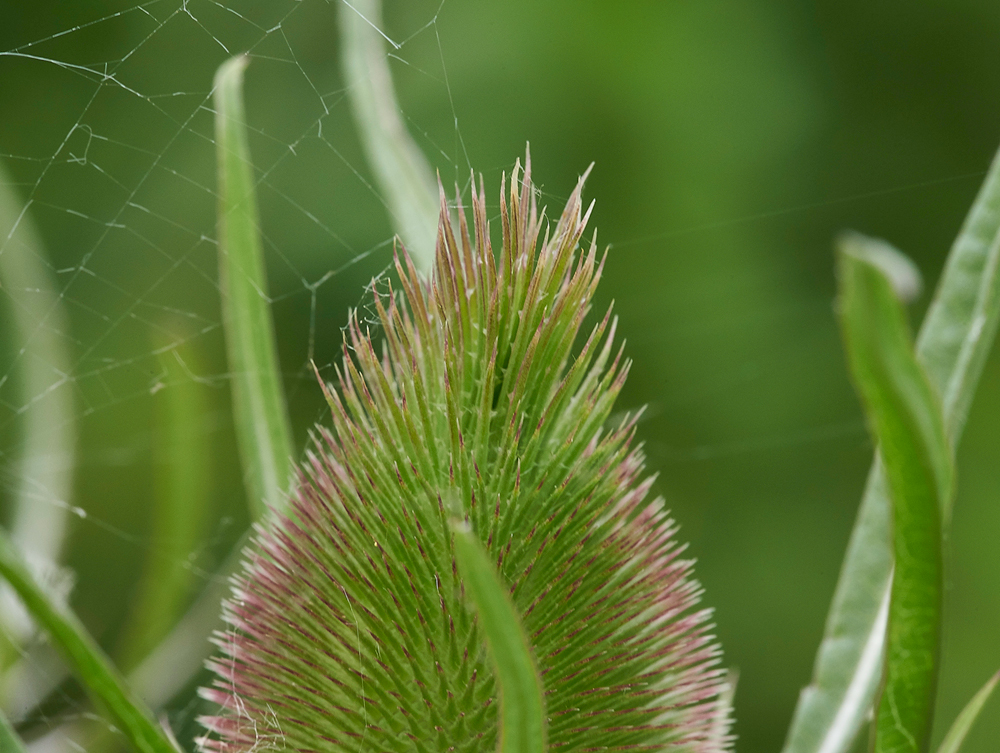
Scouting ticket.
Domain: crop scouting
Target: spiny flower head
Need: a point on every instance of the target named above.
(350, 629)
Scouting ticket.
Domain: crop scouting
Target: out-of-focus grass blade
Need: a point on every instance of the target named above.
(260, 414)
(953, 343)
(9, 741)
(91, 665)
(182, 498)
(45, 469)
(905, 416)
(967, 717)
(403, 173)
(522, 716)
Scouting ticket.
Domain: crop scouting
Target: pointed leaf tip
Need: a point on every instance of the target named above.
(952, 742)
(259, 411)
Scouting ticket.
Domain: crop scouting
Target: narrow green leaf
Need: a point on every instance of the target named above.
(954, 341)
(9, 741)
(403, 173)
(905, 416)
(38, 324)
(967, 717)
(91, 665)
(180, 507)
(522, 716)
(260, 414)
(960, 326)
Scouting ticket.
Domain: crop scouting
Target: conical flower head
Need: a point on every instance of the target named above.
(350, 629)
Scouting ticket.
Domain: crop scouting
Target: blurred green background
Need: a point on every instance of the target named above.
(732, 140)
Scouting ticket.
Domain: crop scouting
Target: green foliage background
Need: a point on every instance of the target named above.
(732, 138)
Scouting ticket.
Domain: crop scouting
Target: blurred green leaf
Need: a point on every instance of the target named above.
(403, 173)
(9, 741)
(522, 724)
(967, 717)
(44, 474)
(905, 416)
(91, 665)
(259, 409)
(953, 343)
(180, 510)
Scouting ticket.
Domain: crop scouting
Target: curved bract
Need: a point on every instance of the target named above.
(350, 626)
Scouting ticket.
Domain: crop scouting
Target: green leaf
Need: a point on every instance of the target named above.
(9, 741)
(91, 665)
(967, 717)
(38, 326)
(953, 343)
(401, 170)
(522, 716)
(182, 501)
(905, 416)
(260, 414)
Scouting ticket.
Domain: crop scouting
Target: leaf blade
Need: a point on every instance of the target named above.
(955, 736)
(522, 726)
(905, 417)
(400, 167)
(954, 341)
(93, 667)
(259, 410)
(45, 479)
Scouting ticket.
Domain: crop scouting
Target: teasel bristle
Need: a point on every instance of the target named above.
(486, 401)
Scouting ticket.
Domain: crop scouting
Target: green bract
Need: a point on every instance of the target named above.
(350, 625)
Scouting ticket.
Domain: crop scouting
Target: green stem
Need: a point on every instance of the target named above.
(91, 665)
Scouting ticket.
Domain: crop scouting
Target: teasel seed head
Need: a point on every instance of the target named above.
(349, 628)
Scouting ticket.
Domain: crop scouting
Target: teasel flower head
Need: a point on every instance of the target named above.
(349, 626)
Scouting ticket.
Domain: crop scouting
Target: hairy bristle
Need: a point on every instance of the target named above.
(349, 628)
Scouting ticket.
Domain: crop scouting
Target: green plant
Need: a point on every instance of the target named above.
(950, 350)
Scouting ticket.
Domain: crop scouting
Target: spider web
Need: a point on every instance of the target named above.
(113, 229)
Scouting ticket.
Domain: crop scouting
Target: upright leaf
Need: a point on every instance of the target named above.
(905, 416)
(262, 428)
(522, 716)
(403, 173)
(90, 664)
(44, 471)
(259, 409)
(954, 341)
